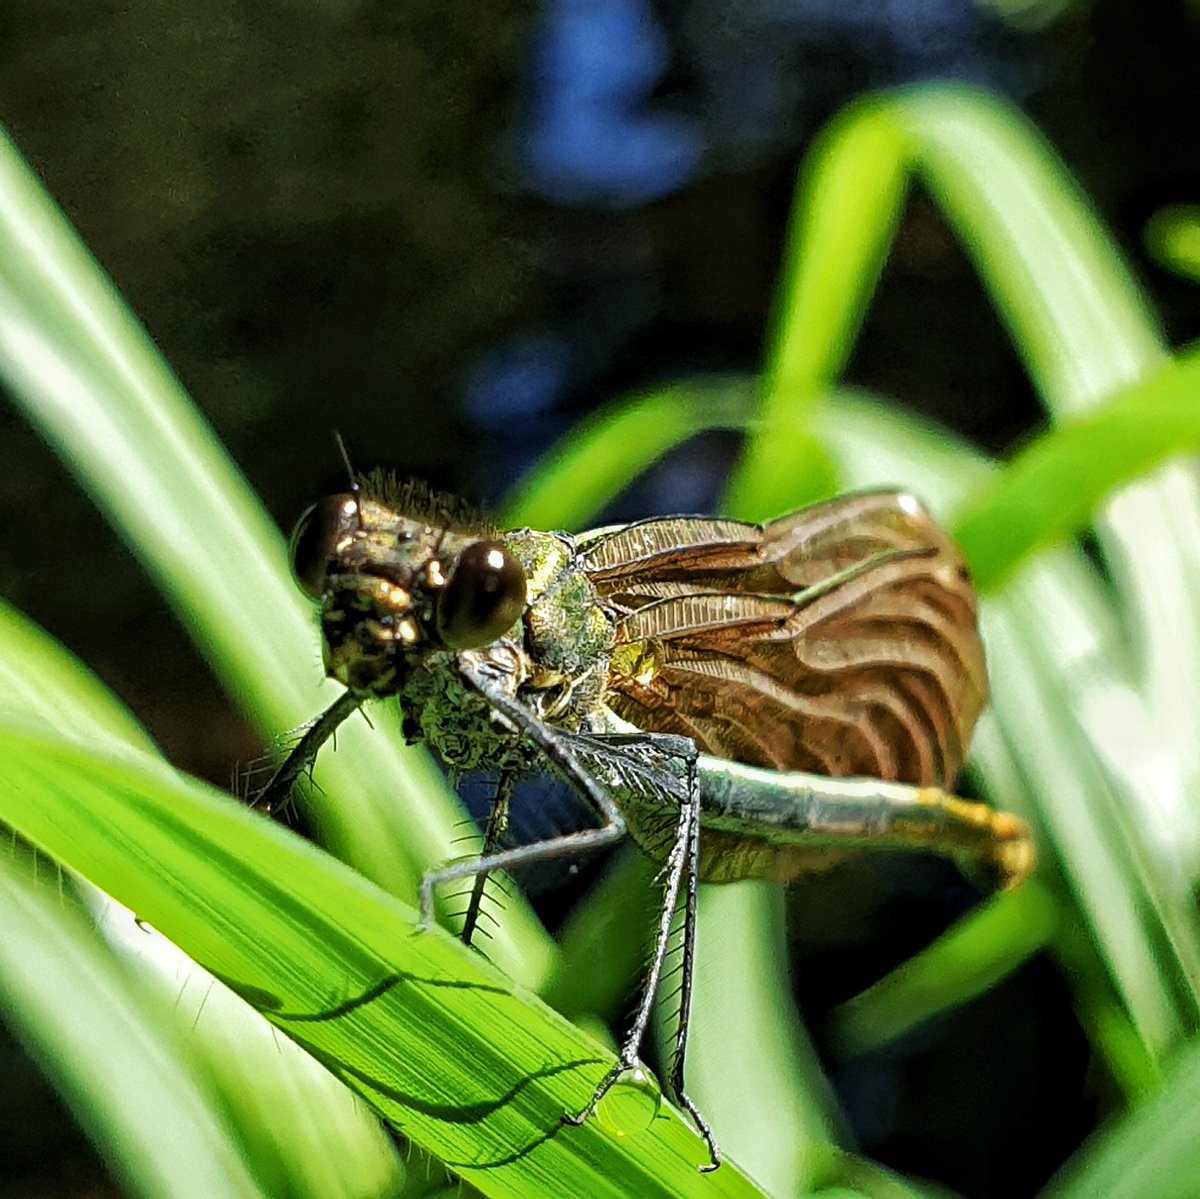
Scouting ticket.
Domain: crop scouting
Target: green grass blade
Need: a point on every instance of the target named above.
(1172, 239)
(293, 1119)
(600, 456)
(435, 1039)
(844, 214)
(603, 942)
(964, 962)
(43, 682)
(305, 1133)
(1053, 273)
(1052, 488)
(848, 200)
(1073, 308)
(113, 1055)
(1150, 1153)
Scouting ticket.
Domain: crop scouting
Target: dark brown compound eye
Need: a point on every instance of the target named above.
(316, 537)
(483, 598)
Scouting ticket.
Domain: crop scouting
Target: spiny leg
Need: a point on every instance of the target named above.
(679, 1053)
(561, 749)
(556, 746)
(682, 862)
(631, 1046)
(302, 756)
(493, 835)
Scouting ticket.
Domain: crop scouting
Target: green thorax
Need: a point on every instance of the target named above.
(554, 661)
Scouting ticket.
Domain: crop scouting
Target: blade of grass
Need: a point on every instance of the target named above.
(577, 477)
(42, 681)
(1150, 1153)
(603, 942)
(113, 1056)
(1172, 238)
(974, 955)
(847, 203)
(307, 1135)
(1051, 489)
(298, 1126)
(434, 1038)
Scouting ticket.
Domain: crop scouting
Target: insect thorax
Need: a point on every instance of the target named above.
(555, 663)
(441, 709)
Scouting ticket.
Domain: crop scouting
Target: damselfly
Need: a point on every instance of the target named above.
(743, 701)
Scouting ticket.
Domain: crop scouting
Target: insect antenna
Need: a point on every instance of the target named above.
(340, 442)
(355, 486)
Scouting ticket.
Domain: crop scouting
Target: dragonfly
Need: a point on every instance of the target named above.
(740, 700)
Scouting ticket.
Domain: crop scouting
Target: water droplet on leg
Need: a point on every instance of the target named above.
(631, 1104)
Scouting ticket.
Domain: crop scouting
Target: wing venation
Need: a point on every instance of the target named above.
(842, 639)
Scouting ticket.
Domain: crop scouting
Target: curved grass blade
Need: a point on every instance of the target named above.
(621, 440)
(298, 1129)
(1052, 488)
(1150, 1153)
(969, 959)
(435, 1039)
(1172, 238)
(1075, 312)
(113, 1054)
(42, 682)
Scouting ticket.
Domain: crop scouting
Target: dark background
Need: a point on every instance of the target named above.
(448, 231)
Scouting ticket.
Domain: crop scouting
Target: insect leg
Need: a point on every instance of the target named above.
(683, 863)
(497, 827)
(557, 748)
(301, 758)
(689, 966)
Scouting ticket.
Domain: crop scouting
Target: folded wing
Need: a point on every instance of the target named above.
(842, 639)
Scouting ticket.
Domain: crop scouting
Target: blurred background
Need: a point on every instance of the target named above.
(449, 231)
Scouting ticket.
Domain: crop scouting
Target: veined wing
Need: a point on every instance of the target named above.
(841, 639)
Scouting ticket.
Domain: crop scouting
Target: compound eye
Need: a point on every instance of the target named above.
(316, 537)
(483, 598)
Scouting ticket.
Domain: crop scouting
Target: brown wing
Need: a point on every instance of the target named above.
(841, 639)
